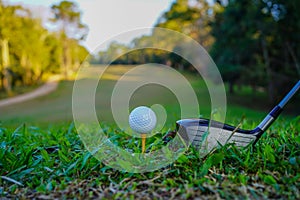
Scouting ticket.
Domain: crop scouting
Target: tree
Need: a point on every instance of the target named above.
(68, 18)
(28, 50)
(112, 54)
(9, 21)
(289, 28)
(256, 43)
(225, 57)
(192, 18)
(237, 31)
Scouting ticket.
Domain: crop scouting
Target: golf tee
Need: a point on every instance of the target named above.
(143, 142)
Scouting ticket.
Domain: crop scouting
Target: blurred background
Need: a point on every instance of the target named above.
(254, 43)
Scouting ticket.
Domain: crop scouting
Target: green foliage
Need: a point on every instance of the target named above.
(113, 54)
(68, 18)
(253, 45)
(33, 51)
(190, 18)
(71, 31)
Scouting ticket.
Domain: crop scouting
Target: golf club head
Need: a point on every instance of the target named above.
(206, 135)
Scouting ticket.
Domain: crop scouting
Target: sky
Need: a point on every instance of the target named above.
(107, 18)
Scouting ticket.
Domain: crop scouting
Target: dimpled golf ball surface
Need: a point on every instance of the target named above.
(142, 119)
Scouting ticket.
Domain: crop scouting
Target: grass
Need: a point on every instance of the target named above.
(42, 156)
(51, 163)
(57, 106)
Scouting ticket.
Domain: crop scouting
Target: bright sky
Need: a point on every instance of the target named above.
(106, 18)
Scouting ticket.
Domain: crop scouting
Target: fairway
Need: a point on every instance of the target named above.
(57, 106)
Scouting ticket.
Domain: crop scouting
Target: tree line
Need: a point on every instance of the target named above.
(30, 52)
(253, 42)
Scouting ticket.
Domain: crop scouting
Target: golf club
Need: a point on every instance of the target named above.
(206, 135)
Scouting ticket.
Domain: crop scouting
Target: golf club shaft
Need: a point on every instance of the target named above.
(289, 95)
(269, 119)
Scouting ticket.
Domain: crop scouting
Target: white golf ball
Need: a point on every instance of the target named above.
(142, 119)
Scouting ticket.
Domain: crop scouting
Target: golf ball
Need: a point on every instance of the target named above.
(142, 119)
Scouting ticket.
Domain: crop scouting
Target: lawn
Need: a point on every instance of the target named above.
(57, 106)
(42, 156)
